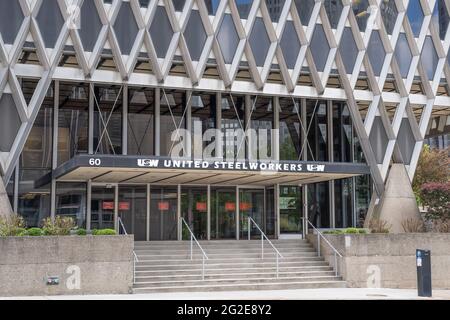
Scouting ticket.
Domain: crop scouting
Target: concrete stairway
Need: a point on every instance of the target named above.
(232, 265)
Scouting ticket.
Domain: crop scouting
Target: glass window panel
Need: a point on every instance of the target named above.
(102, 207)
(388, 12)
(378, 139)
(90, 25)
(275, 7)
(173, 103)
(334, 10)
(318, 205)
(71, 201)
(243, 7)
(194, 209)
(195, 35)
(319, 47)
(125, 28)
(362, 12)
(108, 120)
(9, 122)
(376, 52)
(291, 209)
(342, 133)
(232, 121)
(161, 32)
(259, 42)
(403, 55)
(211, 6)
(249, 206)
(50, 11)
(11, 18)
(178, 4)
(317, 147)
(141, 110)
(290, 129)
(163, 213)
(228, 38)
(343, 205)
(73, 121)
(290, 44)
(415, 16)
(348, 50)
(262, 122)
(440, 18)
(406, 141)
(429, 57)
(363, 195)
(304, 10)
(223, 213)
(204, 117)
(133, 210)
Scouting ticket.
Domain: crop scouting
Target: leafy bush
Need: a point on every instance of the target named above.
(11, 225)
(33, 232)
(104, 232)
(362, 231)
(436, 197)
(81, 232)
(61, 226)
(379, 226)
(333, 232)
(351, 231)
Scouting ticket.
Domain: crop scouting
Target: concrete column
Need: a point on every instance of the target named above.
(398, 202)
(5, 205)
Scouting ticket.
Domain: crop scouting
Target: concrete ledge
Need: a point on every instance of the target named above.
(387, 260)
(83, 264)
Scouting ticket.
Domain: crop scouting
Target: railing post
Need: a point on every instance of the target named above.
(203, 268)
(318, 243)
(262, 246)
(192, 243)
(248, 227)
(335, 265)
(277, 264)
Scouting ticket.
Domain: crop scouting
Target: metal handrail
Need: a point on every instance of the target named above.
(193, 238)
(135, 257)
(263, 235)
(320, 235)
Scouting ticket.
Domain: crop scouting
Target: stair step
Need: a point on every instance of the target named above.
(246, 287)
(187, 262)
(271, 278)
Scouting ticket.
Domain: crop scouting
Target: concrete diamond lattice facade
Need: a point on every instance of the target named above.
(388, 60)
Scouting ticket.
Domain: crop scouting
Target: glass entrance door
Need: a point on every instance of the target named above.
(290, 205)
(103, 207)
(223, 213)
(133, 210)
(194, 209)
(163, 213)
(251, 204)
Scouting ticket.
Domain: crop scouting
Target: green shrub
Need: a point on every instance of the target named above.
(81, 232)
(34, 232)
(61, 226)
(333, 232)
(351, 231)
(11, 225)
(104, 232)
(362, 231)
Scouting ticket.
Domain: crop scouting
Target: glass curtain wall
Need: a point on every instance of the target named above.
(36, 161)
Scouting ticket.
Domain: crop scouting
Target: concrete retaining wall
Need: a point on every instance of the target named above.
(84, 265)
(388, 260)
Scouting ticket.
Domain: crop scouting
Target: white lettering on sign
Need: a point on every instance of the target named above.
(315, 167)
(148, 163)
(95, 162)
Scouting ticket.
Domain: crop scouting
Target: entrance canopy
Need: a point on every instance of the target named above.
(167, 171)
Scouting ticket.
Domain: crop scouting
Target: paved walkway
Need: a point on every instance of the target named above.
(303, 294)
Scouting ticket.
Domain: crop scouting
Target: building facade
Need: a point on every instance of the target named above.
(215, 111)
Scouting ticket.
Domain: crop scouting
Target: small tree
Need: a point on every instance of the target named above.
(433, 166)
(436, 196)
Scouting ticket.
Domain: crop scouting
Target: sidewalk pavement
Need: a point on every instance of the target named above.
(301, 294)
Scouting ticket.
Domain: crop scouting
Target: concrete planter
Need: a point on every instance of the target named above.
(82, 264)
(388, 260)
